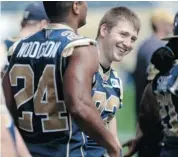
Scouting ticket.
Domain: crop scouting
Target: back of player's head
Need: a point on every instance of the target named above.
(114, 15)
(61, 11)
(57, 9)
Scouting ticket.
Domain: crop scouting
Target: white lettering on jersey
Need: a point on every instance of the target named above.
(37, 50)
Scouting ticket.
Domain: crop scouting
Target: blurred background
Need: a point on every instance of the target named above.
(11, 16)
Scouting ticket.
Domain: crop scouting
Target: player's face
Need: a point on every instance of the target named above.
(120, 40)
(83, 13)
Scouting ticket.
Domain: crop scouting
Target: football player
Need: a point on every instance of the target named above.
(51, 75)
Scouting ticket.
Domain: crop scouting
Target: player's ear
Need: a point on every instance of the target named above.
(76, 7)
(103, 30)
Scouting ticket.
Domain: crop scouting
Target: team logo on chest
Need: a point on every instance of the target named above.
(115, 83)
(105, 79)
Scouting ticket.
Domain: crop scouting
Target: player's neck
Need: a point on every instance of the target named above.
(25, 32)
(71, 25)
(160, 35)
(104, 61)
(105, 70)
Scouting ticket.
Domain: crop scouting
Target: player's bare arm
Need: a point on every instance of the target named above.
(7, 143)
(133, 144)
(11, 147)
(77, 93)
(21, 147)
(113, 129)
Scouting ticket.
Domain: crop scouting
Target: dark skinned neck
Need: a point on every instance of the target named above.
(66, 22)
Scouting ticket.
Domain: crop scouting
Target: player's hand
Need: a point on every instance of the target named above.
(163, 59)
(132, 147)
(117, 153)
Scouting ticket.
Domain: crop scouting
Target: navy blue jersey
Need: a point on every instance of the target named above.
(8, 43)
(108, 96)
(36, 75)
(165, 86)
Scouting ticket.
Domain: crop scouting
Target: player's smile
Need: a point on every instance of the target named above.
(121, 50)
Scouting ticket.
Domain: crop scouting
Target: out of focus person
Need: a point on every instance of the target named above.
(148, 133)
(162, 26)
(51, 75)
(34, 19)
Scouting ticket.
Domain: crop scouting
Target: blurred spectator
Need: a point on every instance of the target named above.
(34, 19)
(162, 26)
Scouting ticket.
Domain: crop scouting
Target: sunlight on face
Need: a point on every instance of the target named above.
(121, 40)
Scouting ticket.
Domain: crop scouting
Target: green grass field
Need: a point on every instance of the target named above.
(126, 117)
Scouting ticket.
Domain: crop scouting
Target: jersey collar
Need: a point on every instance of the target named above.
(58, 26)
(105, 76)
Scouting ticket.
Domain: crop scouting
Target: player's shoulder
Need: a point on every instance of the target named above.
(8, 42)
(75, 40)
(114, 75)
(116, 81)
(66, 33)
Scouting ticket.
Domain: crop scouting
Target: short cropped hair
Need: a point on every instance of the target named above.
(57, 9)
(160, 15)
(116, 14)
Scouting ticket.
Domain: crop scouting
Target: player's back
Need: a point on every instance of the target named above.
(107, 95)
(36, 75)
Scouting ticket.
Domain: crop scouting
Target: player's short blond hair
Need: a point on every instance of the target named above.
(116, 14)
